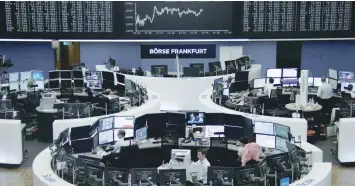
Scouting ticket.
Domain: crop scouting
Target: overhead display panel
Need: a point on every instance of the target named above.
(176, 19)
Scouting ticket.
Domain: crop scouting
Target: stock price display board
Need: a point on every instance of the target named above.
(176, 20)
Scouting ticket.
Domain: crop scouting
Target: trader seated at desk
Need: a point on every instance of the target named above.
(119, 143)
(269, 86)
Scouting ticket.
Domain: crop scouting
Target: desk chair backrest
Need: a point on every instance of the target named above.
(276, 93)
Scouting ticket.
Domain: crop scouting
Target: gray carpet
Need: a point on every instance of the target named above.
(33, 147)
(326, 146)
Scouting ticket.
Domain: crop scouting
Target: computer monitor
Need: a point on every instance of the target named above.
(281, 144)
(106, 137)
(176, 118)
(243, 175)
(108, 76)
(124, 122)
(77, 74)
(94, 75)
(112, 175)
(40, 85)
(310, 81)
(191, 71)
(65, 84)
(80, 132)
(197, 131)
(259, 83)
(195, 117)
(54, 84)
(333, 83)
(238, 86)
(211, 130)
(289, 82)
(14, 77)
(289, 72)
(141, 134)
(264, 128)
(265, 140)
(333, 74)
(54, 74)
(37, 76)
(65, 74)
(285, 181)
(292, 151)
(78, 83)
(282, 131)
(345, 76)
(144, 175)
(220, 175)
(159, 70)
(26, 76)
(277, 162)
(242, 76)
(14, 86)
(94, 84)
(216, 82)
(343, 85)
(233, 132)
(274, 73)
(169, 177)
(105, 123)
(129, 133)
(120, 78)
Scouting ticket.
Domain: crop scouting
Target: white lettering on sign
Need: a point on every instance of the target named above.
(49, 178)
(306, 182)
(178, 51)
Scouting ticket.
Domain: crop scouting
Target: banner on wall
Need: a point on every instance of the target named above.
(183, 51)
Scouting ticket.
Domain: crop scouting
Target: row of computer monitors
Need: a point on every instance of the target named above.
(23, 85)
(342, 76)
(26, 76)
(312, 82)
(95, 75)
(215, 175)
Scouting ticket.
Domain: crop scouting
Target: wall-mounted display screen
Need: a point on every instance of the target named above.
(176, 19)
(195, 117)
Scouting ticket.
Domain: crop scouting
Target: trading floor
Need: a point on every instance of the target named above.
(341, 175)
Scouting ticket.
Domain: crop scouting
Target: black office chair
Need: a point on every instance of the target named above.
(33, 101)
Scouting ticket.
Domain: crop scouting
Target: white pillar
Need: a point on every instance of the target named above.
(304, 87)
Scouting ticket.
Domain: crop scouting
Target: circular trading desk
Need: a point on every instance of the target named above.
(321, 172)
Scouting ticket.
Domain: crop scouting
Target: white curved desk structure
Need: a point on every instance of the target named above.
(178, 94)
(11, 145)
(184, 91)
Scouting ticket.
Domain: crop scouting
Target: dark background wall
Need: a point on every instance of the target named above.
(316, 56)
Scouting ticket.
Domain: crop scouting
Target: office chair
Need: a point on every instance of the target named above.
(33, 101)
(274, 103)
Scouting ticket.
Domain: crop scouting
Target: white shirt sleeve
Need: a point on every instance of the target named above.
(117, 147)
(319, 92)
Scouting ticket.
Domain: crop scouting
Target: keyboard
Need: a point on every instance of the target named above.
(78, 90)
(143, 141)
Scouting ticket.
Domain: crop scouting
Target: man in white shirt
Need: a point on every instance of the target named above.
(325, 92)
(269, 86)
(120, 142)
(202, 160)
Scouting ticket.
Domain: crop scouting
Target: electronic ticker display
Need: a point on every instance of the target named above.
(176, 19)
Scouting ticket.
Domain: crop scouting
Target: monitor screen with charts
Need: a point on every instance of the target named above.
(289, 81)
(26, 76)
(13, 77)
(281, 144)
(210, 131)
(289, 72)
(344, 85)
(345, 76)
(310, 81)
(141, 134)
(95, 84)
(124, 122)
(264, 128)
(333, 74)
(105, 124)
(277, 81)
(259, 83)
(14, 86)
(265, 140)
(40, 85)
(282, 131)
(129, 133)
(105, 137)
(275, 73)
